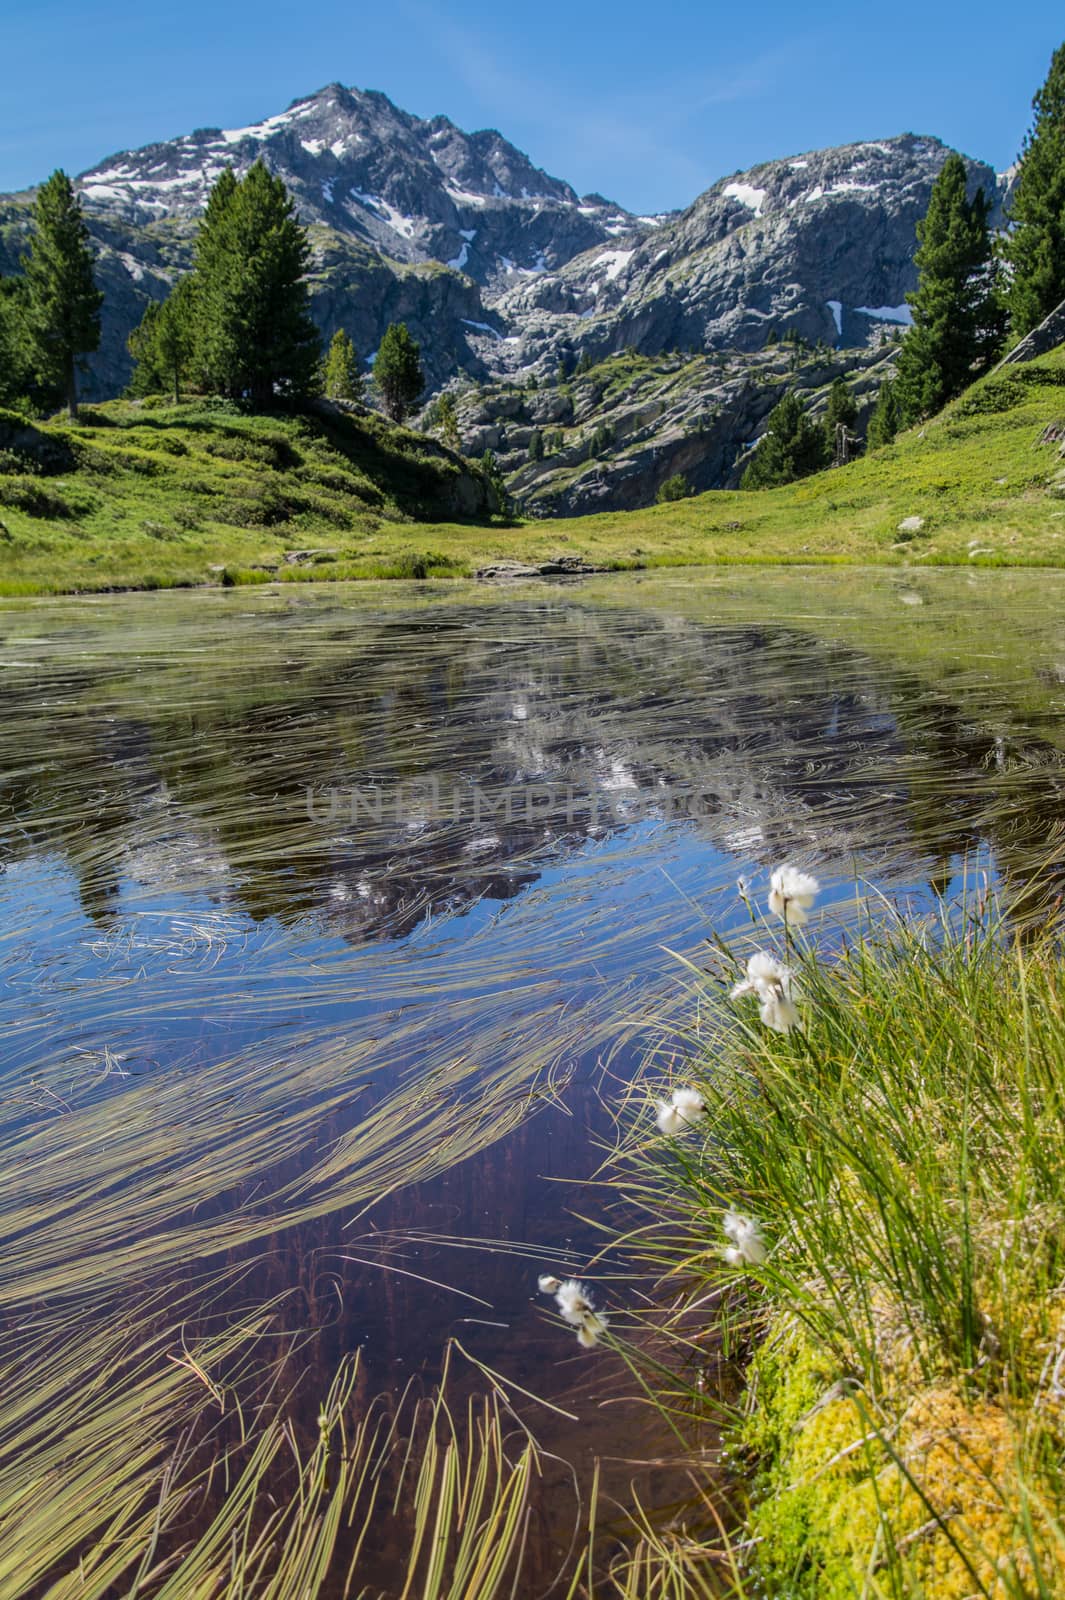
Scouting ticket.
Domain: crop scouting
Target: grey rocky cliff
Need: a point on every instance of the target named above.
(821, 245)
(613, 435)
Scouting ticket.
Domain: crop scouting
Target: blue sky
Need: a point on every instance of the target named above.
(647, 102)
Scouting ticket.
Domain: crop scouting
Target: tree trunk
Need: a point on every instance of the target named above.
(72, 389)
(177, 384)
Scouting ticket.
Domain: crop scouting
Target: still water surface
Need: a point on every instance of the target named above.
(332, 919)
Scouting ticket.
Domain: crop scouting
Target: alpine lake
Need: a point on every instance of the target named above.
(341, 926)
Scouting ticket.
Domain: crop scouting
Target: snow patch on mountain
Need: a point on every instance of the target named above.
(747, 195)
(887, 313)
(615, 262)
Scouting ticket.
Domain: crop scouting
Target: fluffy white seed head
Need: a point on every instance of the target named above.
(669, 1119)
(791, 894)
(748, 1246)
(778, 1011)
(763, 968)
(591, 1330)
(573, 1301)
(689, 1102)
(548, 1284)
(770, 980)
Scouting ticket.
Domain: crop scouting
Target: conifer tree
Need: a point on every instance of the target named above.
(1034, 246)
(495, 483)
(957, 317)
(397, 371)
(448, 423)
(63, 301)
(841, 411)
(341, 378)
(884, 422)
(256, 337)
(17, 382)
(163, 343)
(791, 447)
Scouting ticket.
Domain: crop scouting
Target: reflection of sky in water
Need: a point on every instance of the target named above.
(175, 978)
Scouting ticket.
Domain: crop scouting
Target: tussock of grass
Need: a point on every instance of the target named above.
(904, 1416)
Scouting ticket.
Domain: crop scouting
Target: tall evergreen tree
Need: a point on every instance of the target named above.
(841, 411)
(884, 422)
(17, 384)
(791, 447)
(163, 344)
(496, 484)
(256, 337)
(1034, 246)
(397, 371)
(63, 300)
(957, 318)
(448, 423)
(341, 378)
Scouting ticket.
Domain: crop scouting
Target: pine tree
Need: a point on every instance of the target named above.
(397, 371)
(255, 336)
(341, 378)
(163, 343)
(884, 422)
(63, 300)
(1034, 247)
(495, 483)
(448, 423)
(957, 318)
(791, 448)
(18, 384)
(841, 412)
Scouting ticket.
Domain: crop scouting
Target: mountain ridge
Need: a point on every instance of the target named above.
(504, 274)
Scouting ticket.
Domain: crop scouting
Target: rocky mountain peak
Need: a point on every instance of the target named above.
(820, 244)
(415, 190)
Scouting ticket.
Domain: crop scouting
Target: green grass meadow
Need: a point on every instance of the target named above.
(148, 495)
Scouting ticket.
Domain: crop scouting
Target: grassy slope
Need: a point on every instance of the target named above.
(160, 497)
(153, 495)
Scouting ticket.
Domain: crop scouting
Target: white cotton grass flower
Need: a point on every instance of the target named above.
(748, 1246)
(684, 1107)
(764, 972)
(771, 982)
(689, 1102)
(575, 1307)
(591, 1330)
(791, 894)
(548, 1284)
(574, 1301)
(668, 1118)
(778, 1011)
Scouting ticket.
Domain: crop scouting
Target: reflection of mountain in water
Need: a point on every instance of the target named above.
(409, 765)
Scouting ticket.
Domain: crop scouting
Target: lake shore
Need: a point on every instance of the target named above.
(145, 496)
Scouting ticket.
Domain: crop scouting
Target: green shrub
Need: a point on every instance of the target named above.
(31, 496)
(674, 488)
(262, 507)
(991, 398)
